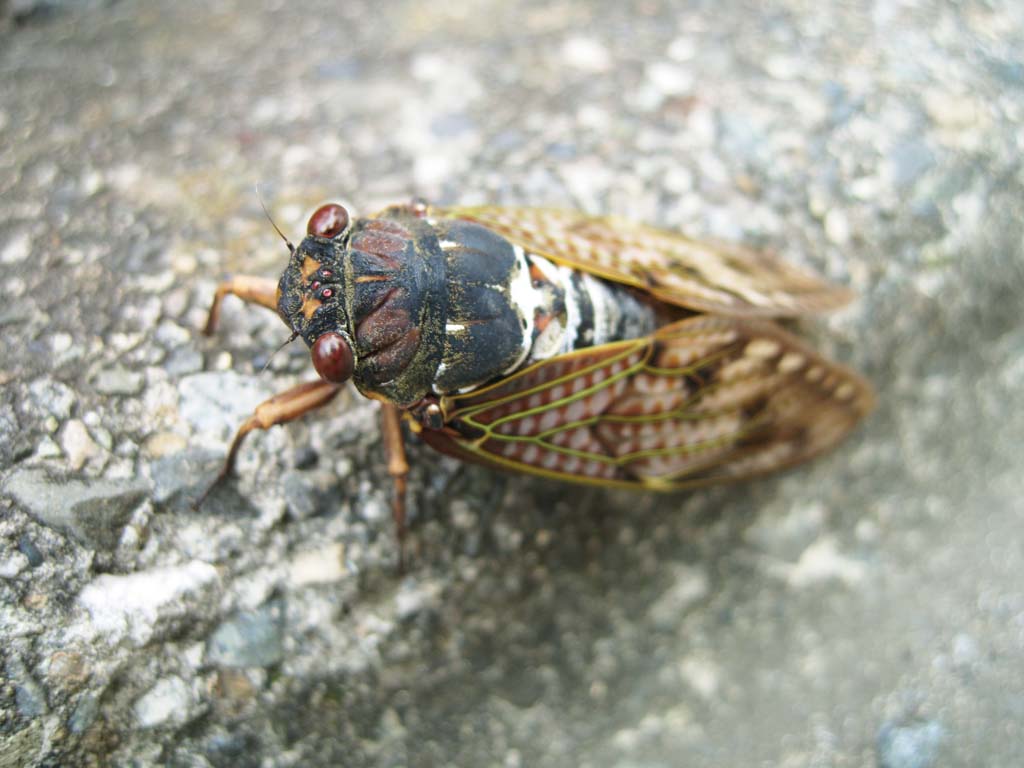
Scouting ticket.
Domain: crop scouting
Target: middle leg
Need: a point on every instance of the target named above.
(398, 468)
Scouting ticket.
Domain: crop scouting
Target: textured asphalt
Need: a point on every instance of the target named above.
(864, 610)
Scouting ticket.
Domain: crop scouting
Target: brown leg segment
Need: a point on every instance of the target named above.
(398, 468)
(281, 408)
(249, 288)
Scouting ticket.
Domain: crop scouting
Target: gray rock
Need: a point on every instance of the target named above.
(53, 397)
(21, 748)
(84, 713)
(29, 696)
(183, 361)
(300, 495)
(216, 402)
(251, 639)
(909, 160)
(93, 512)
(184, 474)
(28, 548)
(12, 440)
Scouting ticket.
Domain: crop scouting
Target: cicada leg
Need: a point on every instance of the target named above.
(281, 408)
(398, 468)
(249, 288)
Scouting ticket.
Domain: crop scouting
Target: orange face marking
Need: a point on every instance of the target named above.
(309, 266)
(310, 306)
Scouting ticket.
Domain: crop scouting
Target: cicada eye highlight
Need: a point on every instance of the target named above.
(332, 358)
(329, 221)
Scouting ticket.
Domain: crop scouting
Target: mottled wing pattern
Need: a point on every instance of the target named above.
(704, 276)
(703, 400)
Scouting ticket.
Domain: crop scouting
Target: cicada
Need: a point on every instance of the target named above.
(591, 350)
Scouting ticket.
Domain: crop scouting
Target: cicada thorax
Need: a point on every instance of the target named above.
(375, 288)
(395, 291)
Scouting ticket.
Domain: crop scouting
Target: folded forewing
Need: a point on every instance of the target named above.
(702, 275)
(707, 399)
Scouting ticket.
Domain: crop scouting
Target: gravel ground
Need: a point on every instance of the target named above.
(865, 610)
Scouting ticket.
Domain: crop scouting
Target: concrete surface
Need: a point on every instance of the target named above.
(865, 610)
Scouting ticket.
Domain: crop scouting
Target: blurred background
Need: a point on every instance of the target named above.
(866, 609)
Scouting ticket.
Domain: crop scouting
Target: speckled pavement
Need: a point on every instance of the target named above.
(865, 610)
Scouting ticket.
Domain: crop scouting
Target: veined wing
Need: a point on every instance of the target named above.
(704, 276)
(704, 400)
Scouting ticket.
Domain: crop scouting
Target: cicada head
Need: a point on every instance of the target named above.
(357, 293)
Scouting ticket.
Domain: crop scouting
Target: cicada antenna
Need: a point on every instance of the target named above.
(289, 340)
(259, 196)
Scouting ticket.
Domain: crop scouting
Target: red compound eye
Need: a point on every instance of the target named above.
(327, 221)
(332, 357)
(316, 285)
(327, 293)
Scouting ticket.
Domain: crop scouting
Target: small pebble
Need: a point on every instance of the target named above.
(837, 227)
(164, 444)
(166, 703)
(12, 565)
(118, 381)
(28, 548)
(16, 249)
(78, 445)
(586, 55)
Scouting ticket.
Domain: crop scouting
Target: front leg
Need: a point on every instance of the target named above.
(249, 288)
(283, 407)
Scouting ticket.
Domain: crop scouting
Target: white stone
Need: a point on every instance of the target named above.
(46, 449)
(415, 597)
(16, 249)
(78, 445)
(822, 562)
(702, 675)
(60, 343)
(951, 110)
(586, 54)
(670, 79)
(167, 702)
(837, 227)
(689, 586)
(317, 566)
(130, 605)
(13, 565)
(682, 49)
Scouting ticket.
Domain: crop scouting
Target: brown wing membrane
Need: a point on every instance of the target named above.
(704, 400)
(704, 276)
